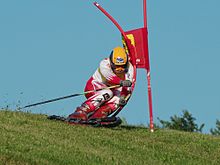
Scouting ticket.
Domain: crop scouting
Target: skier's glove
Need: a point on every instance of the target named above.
(122, 101)
(125, 83)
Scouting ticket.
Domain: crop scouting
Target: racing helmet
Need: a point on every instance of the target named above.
(119, 60)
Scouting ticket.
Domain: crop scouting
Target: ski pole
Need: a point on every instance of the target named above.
(69, 96)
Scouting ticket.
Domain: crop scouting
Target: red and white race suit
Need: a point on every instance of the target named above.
(106, 100)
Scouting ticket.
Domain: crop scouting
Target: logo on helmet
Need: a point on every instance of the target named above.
(119, 60)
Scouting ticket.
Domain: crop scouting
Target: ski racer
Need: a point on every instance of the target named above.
(100, 104)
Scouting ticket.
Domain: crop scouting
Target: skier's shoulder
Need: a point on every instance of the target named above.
(105, 63)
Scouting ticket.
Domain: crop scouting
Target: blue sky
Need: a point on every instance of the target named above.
(49, 48)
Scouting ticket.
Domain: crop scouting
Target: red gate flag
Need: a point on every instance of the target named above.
(138, 38)
(136, 44)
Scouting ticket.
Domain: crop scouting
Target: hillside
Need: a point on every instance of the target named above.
(32, 139)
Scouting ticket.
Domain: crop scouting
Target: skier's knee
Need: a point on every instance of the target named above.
(107, 95)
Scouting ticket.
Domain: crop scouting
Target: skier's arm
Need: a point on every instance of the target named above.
(128, 86)
(124, 99)
(107, 73)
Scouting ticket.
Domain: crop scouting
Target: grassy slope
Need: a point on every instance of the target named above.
(32, 139)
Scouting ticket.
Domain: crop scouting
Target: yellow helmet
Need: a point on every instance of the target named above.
(119, 60)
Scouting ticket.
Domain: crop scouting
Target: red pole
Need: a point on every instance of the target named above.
(145, 12)
(112, 19)
(148, 73)
(150, 103)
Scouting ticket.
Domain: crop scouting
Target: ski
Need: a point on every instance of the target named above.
(108, 122)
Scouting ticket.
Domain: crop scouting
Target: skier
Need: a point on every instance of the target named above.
(112, 71)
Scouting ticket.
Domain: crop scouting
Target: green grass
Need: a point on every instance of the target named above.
(32, 139)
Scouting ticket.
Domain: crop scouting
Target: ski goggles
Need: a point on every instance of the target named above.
(120, 68)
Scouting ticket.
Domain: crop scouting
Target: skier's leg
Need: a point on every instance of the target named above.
(107, 108)
(91, 104)
(94, 100)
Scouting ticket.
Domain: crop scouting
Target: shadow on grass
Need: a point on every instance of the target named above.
(129, 127)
